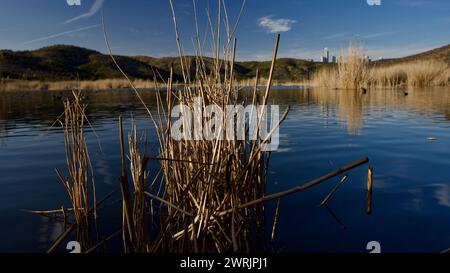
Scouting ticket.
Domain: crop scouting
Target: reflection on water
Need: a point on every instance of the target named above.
(324, 130)
(350, 106)
(43, 108)
(442, 194)
(39, 109)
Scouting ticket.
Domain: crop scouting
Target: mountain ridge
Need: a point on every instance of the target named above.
(68, 62)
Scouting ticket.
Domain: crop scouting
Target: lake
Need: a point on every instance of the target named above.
(405, 136)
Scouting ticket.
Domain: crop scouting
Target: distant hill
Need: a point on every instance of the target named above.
(439, 54)
(65, 62)
(287, 69)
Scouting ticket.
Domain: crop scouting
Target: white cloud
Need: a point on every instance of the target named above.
(276, 25)
(92, 11)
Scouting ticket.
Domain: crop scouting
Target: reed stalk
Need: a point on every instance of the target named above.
(369, 189)
(212, 193)
(202, 178)
(79, 183)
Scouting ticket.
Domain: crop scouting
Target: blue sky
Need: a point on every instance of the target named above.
(144, 27)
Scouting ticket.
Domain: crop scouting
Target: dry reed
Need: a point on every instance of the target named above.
(351, 72)
(79, 183)
(354, 72)
(205, 177)
(210, 195)
(353, 69)
(135, 220)
(105, 84)
(326, 77)
(201, 179)
(369, 189)
(412, 74)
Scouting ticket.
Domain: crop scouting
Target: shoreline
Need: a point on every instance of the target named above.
(113, 85)
(7, 86)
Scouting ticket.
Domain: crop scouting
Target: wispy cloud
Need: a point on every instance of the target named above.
(378, 34)
(65, 33)
(335, 36)
(92, 11)
(276, 25)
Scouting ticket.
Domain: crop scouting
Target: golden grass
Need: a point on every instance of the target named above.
(353, 69)
(250, 82)
(414, 74)
(106, 84)
(354, 72)
(326, 77)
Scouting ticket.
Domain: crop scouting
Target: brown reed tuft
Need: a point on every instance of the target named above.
(79, 183)
(210, 195)
(202, 179)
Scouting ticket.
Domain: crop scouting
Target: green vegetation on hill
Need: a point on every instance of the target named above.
(64, 62)
(57, 63)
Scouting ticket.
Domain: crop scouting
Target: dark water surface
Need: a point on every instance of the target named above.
(407, 139)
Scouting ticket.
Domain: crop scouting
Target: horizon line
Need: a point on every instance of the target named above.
(421, 51)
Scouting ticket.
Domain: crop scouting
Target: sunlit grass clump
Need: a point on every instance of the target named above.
(355, 72)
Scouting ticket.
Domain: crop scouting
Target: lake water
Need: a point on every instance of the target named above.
(406, 137)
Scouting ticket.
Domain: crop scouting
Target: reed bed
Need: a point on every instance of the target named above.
(353, 69)
(106, 84)
(210, 195)
(413, 74)
(250, 82)
(202, 181)
(355, 73)
(326, 77)
(351, 72)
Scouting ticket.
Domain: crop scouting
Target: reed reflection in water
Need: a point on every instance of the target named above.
(325, 129)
